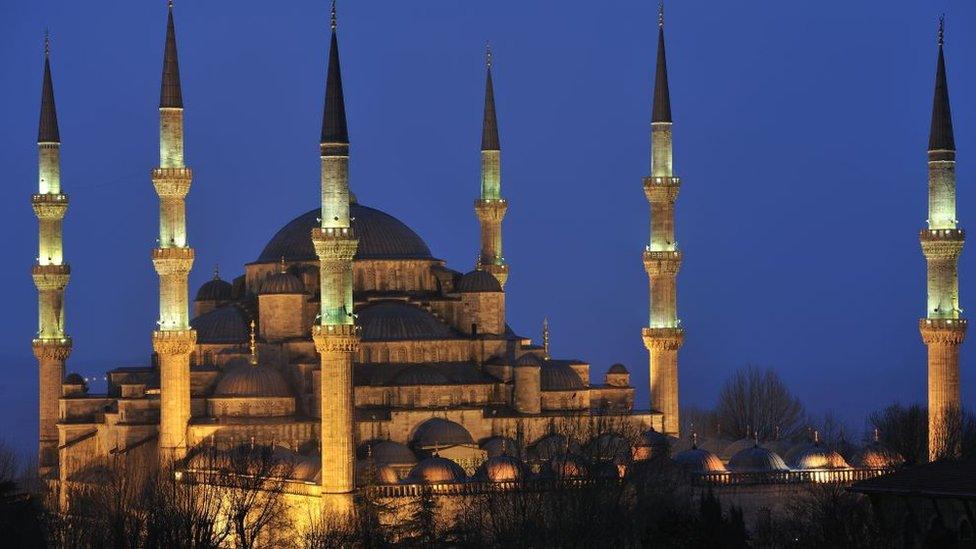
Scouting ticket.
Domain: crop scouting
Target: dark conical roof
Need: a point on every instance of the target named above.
(661, 112)
(941, 136)
(170, 94)
(489, 128)
(334, 120)
(47, 131)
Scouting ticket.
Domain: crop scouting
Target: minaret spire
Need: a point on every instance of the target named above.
(943, 329)
(491, 207)
(173, 340)
(662, 259)
(335, 334)
(51, 273)
(545, 337)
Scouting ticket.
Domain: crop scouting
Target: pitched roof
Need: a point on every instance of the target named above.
(489, 128)
(940, 478)
(661, 111)
(941, 135)
(170, 94)
(334, 118)
(47, 131)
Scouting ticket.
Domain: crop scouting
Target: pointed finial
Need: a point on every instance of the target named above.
(254, 346)
(334, 20)
(755, 437)
(170, 5)
(776, 430)
(816, 436)
(47, 43)
(488, 55)
(660, 14)
(281, 265)
(694, 440)
(942, 30)
(545, 337)
(877, 435)
(216, 272)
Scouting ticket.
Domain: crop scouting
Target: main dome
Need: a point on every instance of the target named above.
(381, 236)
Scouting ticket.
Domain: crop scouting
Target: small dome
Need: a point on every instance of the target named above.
(618, 368)
(736, 447)
(551, 445)
(74, 379)
(559, 376)
(398, 321)
(386, 452)
(817, 456)
(306, 468)
(651, 444)
(381, 236)
(608, 470)
(215, 290)
(434, 470)
(501, 469)
(877, 456)
(248, 380)
(419, 374)
(386, 475)
(501, 446)
(282, 284)
(756, 460)
(227, 324)
(478, 281)
(796, 449)
(781, 447)
(439, 432)
(566, 466)
(697, 460)
(609, 447)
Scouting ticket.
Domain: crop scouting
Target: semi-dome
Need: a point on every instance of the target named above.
(528, 360)
(386, 452)
(757, 460)
(501, 468)
(478, 281)
(438, 432)
(282, 284)
(397, 321)
(419, 374)
(381, 236)
(215, 290)
(248, 380)
(817, 456)
(435, 470)
(698, 460)
(558, 376)
(227, 324)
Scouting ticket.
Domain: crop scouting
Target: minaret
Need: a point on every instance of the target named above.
(335, 334)
(491, 207)
(173, 340)
(943, 329)
(52, 345)
(662, 259)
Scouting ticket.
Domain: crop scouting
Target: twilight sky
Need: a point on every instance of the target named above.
(800, 136)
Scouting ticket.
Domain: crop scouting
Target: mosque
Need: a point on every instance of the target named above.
(347, 341)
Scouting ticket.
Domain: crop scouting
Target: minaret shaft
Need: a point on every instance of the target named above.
(173, 340)
(663, 337)
(52, 346)
(335, 334)
(943, 328)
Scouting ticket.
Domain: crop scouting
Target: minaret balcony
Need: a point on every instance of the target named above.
(662, 263)
(943, 331)
(659, 189)
(490, 209)
(942, 235)
(172, 182)
(663, 339)
(51, 277)
(336, 338)
(334, 244)
(49, 205)
(942, 243)
(172, 260)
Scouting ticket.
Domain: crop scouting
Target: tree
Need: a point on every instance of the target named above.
(904, 429)
(757, 401)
